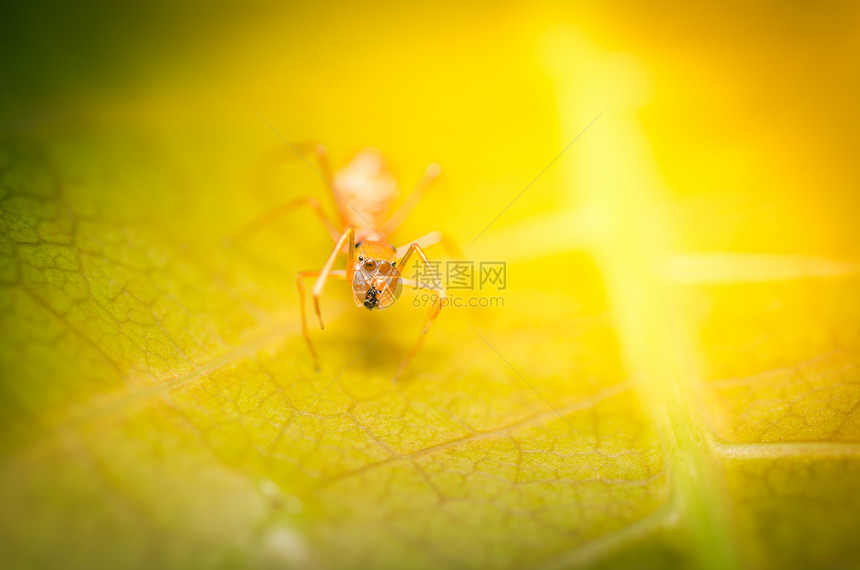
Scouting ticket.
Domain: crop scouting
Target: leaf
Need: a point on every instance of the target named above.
(152, 403)
(638, 400)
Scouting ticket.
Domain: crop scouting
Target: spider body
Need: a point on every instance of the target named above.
(363, 192)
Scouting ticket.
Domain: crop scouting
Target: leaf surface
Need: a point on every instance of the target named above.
(665, 385)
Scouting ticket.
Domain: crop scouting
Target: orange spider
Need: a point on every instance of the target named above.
(363, 192)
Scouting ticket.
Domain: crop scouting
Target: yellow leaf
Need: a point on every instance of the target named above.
(668, 379)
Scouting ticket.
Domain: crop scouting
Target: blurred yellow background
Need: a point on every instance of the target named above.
(748, 109)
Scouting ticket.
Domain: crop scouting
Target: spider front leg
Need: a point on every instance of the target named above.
(437, 282)
(408, 358)
(436, 286)
(346, 238)
(339, 274)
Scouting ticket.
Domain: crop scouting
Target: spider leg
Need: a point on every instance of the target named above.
(346, 238)
(276, 158)
(451, 247)
(434, 312)
(278, 212)
(437, 282)
(411, 201)
(337, 274)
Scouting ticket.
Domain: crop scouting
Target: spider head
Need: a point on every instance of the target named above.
(376, 277)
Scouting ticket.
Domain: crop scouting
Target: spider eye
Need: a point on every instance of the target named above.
(360, 258)
(384, 267)
(370, 265)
